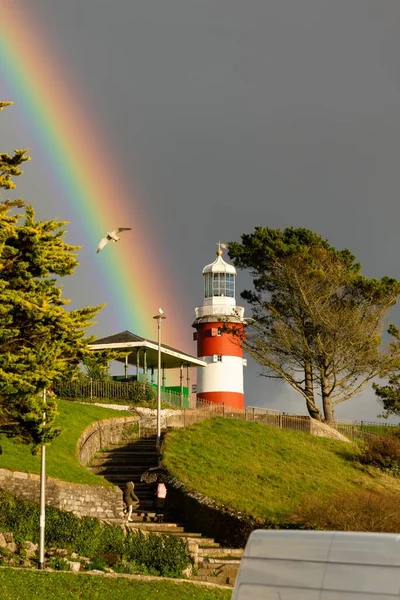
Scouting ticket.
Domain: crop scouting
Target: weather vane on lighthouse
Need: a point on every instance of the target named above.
(220, 245)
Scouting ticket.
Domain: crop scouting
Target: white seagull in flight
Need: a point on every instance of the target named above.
(111, 236)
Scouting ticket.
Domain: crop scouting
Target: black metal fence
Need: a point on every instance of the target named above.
(135, 392)
(365, 430)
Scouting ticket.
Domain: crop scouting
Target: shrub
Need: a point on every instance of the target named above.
(350, 511)
(382, 452)
(153, 554)
(165, 555)
(58, 564)
(98, 564)
(130, 568)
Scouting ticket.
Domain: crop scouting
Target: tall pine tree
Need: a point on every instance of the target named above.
(318, 321)
(40, 340)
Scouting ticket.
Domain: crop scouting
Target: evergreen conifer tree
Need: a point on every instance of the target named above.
(318, 322)
(40, 340)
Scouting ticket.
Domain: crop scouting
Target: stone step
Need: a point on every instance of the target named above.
(221, 552)
(219, 574)
(150, 525)
(134, 446)
(99, 461)
(219, 561)
(141, 485)
(121, 481)
(126, 457)
(128, 450)
(205, 568)
(146, 505)
(144, 492)
(146, 443)
(135, 478)
(171, 527)
(127, 467)
(217, 579)
(135, 472)
(165, 528)
(200, 541)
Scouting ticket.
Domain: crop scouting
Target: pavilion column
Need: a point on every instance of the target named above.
(163, 374)
(181, 383)
(137, 364)
(152, 375)
(145, 364)
(126, 367)
(188, 385)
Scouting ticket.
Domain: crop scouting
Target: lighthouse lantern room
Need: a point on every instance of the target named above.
(221, 381)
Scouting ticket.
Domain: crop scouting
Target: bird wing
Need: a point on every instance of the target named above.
(122, 229)
(102, 243)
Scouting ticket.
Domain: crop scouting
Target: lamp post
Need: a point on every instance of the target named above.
(42, 516)
(159, 318)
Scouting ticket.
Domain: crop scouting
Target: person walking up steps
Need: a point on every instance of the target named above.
(161, 494)
(130, 499)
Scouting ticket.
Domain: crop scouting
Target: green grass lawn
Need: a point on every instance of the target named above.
(38, 585)
(61, 459)
(263, 471)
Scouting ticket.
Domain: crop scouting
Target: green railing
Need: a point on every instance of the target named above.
(133, 392)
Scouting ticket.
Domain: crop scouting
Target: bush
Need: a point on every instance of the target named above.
(154, 554)
(350, 511)
(98, 564)
(130, 568)
(58, 564)
(382, 452)
(165, 555)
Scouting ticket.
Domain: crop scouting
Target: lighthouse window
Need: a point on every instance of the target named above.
(219, 284)
(208, 290)
(230, 285)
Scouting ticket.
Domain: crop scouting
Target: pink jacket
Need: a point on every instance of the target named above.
(161, 490)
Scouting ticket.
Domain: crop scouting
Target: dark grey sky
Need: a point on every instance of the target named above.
(237, 113)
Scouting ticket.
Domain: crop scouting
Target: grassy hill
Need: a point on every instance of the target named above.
(40, 585)
(265, 472)
(61, 460)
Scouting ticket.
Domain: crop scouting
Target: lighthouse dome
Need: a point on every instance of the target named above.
(219, 291)
(219, 266)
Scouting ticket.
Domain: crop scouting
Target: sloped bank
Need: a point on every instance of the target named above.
(201, 514)
(83, 500)
(226, 525)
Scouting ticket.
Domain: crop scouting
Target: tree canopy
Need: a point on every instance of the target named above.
(388, 395)
(317, 321)
(40, 340)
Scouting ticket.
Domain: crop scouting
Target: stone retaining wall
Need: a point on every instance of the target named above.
(101, 434)
(83, 500)
(227, 527)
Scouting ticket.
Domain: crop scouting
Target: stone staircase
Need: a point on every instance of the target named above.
(121, 463)
(126, 462)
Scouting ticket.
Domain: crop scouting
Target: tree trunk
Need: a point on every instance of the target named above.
(312, 408)
(328, 408)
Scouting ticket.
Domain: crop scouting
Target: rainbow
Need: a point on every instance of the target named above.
(58, 122)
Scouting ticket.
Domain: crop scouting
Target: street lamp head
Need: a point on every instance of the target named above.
(160, 315)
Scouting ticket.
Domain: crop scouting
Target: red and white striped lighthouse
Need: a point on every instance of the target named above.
(221, 381)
